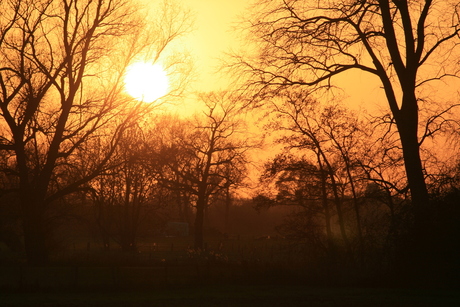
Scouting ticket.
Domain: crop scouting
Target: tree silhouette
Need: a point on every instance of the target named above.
(324, 146)
(309, 43)
(62, 104)
(203, 156)
(126, 195)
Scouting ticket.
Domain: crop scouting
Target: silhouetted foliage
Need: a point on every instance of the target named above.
(308, 44)
(347, 195)
(63, 109)
(202, 157)
(128, 195)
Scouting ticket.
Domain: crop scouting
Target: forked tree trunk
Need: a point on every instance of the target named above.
(327, 215)
(338, 204)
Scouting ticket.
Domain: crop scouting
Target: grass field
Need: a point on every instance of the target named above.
(243, 272)
(239, 295)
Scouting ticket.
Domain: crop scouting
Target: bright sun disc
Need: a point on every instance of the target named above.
(146, 82)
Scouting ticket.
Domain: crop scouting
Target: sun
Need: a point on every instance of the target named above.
(146, 82)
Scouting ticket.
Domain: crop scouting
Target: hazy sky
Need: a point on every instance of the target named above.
(209, 38)
(212, 36)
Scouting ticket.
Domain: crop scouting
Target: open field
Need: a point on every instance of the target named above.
(168, 259)
(235, 272)
(154, 251)
(239, 295)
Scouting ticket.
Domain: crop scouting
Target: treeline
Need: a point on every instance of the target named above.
(342, 176)
(336, 189)
(169, 170)
(64, 109)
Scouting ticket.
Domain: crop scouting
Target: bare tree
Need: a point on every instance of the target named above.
(127, 195)
(327, 143)
(309, 43)
(343, 173)
(205, 155)
(61, 97)
(301, 182)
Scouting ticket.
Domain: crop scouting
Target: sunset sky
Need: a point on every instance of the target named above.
(211, 35)
(214, 34)
(199, 138)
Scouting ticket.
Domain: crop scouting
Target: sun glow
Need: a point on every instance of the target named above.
(146, 82)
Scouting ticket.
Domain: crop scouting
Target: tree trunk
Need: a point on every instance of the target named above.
(201, 203)
(34, 233)
(355, 206)
(407, 122)
(419, 248)
(338, 204)
(416, 182)
(199, 221)
(327, 214)
(228, 203)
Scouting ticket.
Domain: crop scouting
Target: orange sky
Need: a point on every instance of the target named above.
(212, 36)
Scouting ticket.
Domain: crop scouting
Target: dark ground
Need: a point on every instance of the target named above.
(239, 295)
(171, 278)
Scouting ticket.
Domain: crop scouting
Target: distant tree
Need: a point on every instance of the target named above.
(300, 184)
(167, 159)
(126, 195)
(63, 109)
(320, 168)
(382, 165)
(345, 132)
(204, 155)
(310, 43)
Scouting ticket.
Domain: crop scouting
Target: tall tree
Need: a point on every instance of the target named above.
(127, 195)
(326, 143)
(61, 97)
(309, 43)
(204, 154)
